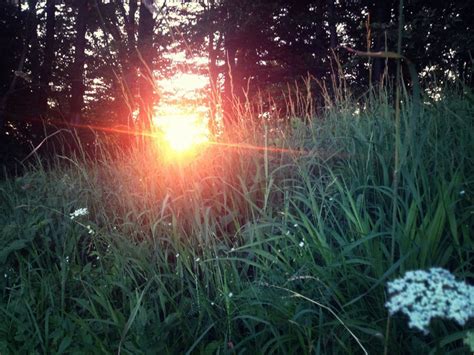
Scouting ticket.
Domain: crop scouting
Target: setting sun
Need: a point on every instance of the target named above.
(182, 131)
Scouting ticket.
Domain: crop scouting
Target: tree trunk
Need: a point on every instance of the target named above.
(77, 70)
(47, 66)
(332, 24)
(146, 82)
(381, 19)
(33, 57)
(212, 50)
(229, 80)
(20, 67)
(130, 64)
(213, 73)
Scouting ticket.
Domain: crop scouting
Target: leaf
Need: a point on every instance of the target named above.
(199, 339)
(14, 246)
(64, 344)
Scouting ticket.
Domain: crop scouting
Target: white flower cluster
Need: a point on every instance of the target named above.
(79, 212)
(423, 295)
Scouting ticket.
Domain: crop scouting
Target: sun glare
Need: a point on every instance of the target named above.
(183, 132)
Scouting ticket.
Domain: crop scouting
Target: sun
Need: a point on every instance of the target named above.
(184, 134)
(182, 131)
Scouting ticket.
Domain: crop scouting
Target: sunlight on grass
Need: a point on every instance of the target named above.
(260, 244)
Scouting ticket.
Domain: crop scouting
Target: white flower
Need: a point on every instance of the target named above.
(79, 212)
(177, 255)
(295, 225)
(462, 192)
(423, 295)
(230, 294)
(287, 233)
(90, 230)
(212, 303)
(232, 249)
(301, 244)
(198, 259)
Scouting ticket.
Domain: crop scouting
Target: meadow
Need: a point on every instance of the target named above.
(281, 238)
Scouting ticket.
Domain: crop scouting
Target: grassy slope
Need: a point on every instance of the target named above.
(241, 249)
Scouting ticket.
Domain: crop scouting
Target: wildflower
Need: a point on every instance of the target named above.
(301, 244)
(79, 212)
(212, 303)
(462, 192)
(90, 230)
(177, 255)
(198, 259)
(287, 233)
(423, 295)
(232, 249)
(331, 199)
(230, 294)
(295, 225)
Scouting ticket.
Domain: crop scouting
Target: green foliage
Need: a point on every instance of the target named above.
(238, 249)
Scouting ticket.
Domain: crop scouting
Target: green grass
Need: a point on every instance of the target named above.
(241, 250)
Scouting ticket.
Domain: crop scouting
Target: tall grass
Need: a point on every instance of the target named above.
(235, 250)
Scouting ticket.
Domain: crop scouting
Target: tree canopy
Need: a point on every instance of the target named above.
(98, 61)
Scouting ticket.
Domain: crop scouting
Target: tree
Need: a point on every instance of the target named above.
(146, 81)
(48, 57)
(331, 9)
(77, 69)
(15, 64)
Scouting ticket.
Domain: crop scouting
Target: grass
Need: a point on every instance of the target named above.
(240, 250)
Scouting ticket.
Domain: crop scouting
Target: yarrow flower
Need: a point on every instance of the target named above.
(424, 295)
(79, 212)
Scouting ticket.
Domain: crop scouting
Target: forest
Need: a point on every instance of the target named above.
(235, 176)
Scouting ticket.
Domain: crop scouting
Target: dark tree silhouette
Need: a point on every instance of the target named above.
(48, 58)
(145, 62)
(77, 69)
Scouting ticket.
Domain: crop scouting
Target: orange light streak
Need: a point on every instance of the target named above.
(242, 146)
